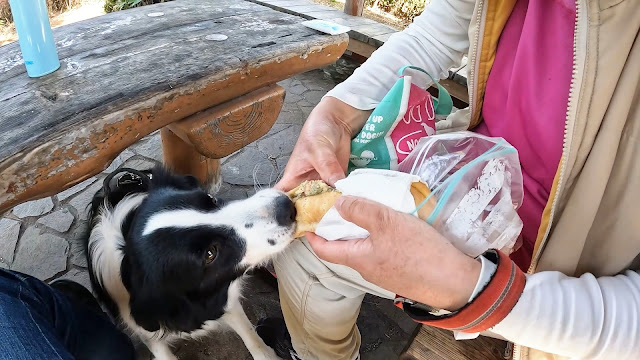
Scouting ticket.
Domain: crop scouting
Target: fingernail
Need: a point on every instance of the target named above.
(340, 201)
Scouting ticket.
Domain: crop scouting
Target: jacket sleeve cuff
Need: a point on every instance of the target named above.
(491, 305)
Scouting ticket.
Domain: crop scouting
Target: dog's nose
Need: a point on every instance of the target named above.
(285, 211)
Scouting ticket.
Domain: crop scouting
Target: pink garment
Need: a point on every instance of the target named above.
(526, 100)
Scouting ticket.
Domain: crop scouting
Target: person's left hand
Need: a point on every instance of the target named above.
(402, 254)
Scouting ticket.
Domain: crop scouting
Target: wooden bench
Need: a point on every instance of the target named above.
(436, 344)
(126, 74)
(366, 36)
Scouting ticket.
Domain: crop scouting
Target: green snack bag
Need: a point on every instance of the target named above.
(406, 114)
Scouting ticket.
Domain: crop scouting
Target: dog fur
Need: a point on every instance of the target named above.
(166, 258)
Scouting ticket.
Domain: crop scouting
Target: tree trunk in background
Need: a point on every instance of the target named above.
(354, 7)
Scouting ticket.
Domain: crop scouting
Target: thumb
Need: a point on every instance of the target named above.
(287, 182)
(368, 214)
(295, 172)
(328, 166)
(336, 252)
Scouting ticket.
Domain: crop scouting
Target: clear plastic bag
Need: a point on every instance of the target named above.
(477, 184)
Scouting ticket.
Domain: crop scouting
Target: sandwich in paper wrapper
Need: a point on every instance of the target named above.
(314, 200)
(467, 186)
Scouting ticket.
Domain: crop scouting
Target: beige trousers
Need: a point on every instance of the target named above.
(320, 302)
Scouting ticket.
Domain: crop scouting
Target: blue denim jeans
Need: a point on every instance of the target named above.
(39, 323)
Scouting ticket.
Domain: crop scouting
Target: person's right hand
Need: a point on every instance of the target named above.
(402, 254)
(322, 150)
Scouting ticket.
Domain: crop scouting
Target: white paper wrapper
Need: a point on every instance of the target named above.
(325, 26)
(391, 188)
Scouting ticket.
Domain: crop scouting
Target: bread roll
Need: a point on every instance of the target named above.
(420, 191)
(313, 198)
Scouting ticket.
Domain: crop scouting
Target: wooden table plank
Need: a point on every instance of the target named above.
(438, 344)
(365, 32)
(379, 40)
(222, 130)
(372, 30)
(340, 17)
(126, 74)
(303, 8)
(289, 2)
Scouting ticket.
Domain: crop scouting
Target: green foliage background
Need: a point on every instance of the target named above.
(403, 9)
(117, 5)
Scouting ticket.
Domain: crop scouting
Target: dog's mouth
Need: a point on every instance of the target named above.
(279, 216)
(268, 223)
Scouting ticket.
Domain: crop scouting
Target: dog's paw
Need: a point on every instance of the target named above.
(165, 357)
(266, 353)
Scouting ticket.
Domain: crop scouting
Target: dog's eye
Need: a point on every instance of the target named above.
(211, 254)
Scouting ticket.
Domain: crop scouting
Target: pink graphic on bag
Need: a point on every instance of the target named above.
(418, 121)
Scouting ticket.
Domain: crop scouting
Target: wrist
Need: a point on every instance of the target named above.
(450, 288)
(464, 281)
(494, 302)
(346, 116)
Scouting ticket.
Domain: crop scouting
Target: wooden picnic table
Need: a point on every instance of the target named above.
(126, 74)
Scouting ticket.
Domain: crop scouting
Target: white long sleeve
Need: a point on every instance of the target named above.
(581, 318)
(436, 41)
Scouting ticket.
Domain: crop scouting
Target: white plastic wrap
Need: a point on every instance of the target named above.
(477, 184)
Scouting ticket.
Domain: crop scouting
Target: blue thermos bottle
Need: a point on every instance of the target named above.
(35, 36)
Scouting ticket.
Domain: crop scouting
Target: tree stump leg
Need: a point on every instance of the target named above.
(354, 7)
(183, 158)
(224, 129)
(195, 145)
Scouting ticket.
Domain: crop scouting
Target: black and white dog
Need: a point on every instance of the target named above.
(167, 259)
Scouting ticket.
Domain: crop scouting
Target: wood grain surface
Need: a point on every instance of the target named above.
(224, 129)
(126, 74)
(437, 344)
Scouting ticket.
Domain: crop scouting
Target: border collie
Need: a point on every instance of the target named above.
(166, 258)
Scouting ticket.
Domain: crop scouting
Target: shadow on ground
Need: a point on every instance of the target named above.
(385, 330)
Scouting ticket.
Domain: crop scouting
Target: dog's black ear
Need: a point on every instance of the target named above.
(148, 312)
(164, 178)
(192, 181)
(160, 300)
(143, 304)
(125, 181)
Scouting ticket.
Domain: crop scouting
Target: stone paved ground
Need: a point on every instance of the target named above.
(43, 237)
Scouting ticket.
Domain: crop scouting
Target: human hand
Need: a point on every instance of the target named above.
(402, 254)
(322, 150)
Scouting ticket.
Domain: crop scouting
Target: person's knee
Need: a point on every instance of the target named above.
(328, 312)
(11, 282)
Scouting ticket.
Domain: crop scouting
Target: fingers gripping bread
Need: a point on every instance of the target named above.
(313, 198)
